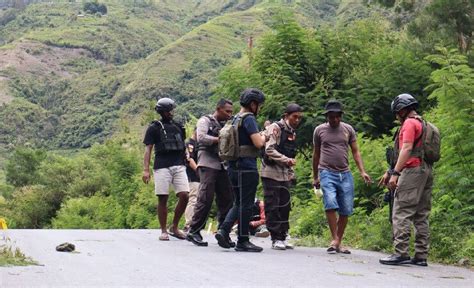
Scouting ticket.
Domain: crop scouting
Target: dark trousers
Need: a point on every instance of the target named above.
(244, 185)
(212, 182)
(277, 207)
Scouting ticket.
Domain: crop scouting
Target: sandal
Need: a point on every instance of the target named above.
(164, 237)
(343, 250)
(332, 249)
(179, 235)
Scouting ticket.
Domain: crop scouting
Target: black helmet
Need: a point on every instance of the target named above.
(251, 94)
(403, 101)
(165, 105)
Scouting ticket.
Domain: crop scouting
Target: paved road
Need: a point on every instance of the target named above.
(107, 258)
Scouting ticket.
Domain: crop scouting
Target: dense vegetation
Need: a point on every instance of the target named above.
(364, 60)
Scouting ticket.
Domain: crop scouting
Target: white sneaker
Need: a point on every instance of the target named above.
(278, 245)
(263, 233)
(288, 245)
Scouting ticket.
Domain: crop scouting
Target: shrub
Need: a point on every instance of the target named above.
(96, 212)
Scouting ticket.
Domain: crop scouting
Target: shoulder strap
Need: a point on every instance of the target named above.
(242, 116)
(417, 140)
(213, 120)
(281, 125)
(159, 125)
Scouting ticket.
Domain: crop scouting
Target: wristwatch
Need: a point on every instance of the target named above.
(394, 172)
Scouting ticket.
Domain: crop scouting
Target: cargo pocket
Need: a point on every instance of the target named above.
(407, 194)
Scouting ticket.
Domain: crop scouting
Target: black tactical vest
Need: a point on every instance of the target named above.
(287, 145)
(214, 128)
(171, 137)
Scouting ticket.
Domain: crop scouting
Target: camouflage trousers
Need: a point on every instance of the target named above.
(412, 206)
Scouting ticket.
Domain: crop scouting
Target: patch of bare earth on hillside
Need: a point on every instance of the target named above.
(5, 97)
(36, 59)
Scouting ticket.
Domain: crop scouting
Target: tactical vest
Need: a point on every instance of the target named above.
(248, 151)
(171, 137)
(286, 146)
(415, 152)
(214, 128)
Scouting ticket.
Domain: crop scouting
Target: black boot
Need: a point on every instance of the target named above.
(196, 238)
(395, 260)
(223, 239)
(247, 246)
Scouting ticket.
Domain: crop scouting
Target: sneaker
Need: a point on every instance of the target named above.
(419, 262)
(395, 260)
(223, 239)
(288, 245)
(278, 245)
(262, 233)
(247, 246)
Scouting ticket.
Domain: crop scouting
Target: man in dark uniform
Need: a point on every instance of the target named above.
(213, 175)
(169, 167)
(251, 140)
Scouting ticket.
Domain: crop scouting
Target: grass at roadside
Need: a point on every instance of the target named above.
(12, 256)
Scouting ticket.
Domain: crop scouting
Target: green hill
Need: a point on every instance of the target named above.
(91, 75)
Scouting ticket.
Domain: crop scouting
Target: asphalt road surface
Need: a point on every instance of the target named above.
(130, 258)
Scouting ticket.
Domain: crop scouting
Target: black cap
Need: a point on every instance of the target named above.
(292, 108)
(333, 106)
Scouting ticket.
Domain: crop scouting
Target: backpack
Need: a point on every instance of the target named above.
(430, 149)
(431, 143)
(228, 145)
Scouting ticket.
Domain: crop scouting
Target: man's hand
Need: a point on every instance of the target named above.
(146, 176)
(392, 183)
(384, 179)
(366, 177)
(291, 162)
(317, 183)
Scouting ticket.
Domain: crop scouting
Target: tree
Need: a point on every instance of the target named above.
(371, 87)
(442, 20)
(458, 15)
(22, 167)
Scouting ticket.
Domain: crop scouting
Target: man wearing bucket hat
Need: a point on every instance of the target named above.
(331, 142)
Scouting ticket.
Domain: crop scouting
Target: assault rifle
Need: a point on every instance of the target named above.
(389, 195)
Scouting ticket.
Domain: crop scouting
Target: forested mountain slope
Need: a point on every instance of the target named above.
(81, 72)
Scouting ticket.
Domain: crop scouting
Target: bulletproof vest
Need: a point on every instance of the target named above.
(249, 151)
(286, 146)
(171, 137)
(214, 128)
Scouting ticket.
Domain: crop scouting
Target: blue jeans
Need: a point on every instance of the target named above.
(338, 191)
(244, 186)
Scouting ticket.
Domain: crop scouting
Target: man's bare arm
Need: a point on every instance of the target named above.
(146, 163)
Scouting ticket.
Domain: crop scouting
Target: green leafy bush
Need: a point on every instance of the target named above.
(94, 7)
(96, 212)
